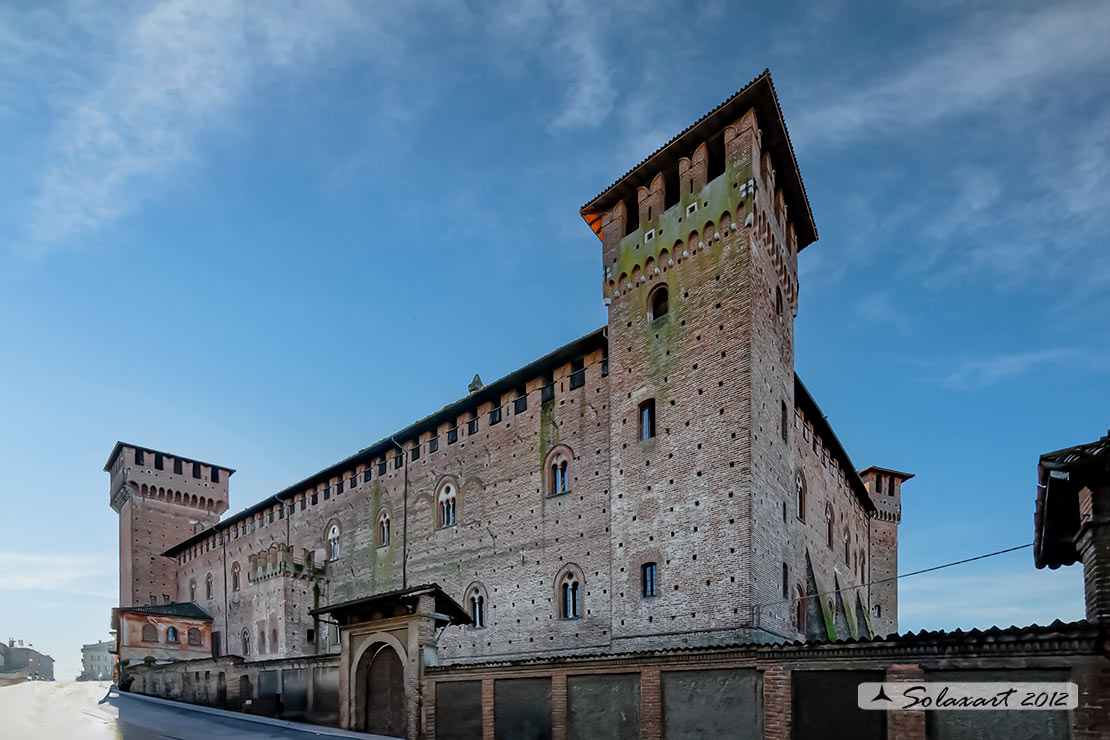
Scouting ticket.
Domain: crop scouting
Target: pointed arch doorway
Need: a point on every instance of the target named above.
(381, 678)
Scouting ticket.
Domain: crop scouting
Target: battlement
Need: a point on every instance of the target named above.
(161, 476)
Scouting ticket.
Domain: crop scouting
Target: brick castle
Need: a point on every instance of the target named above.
(666, 480)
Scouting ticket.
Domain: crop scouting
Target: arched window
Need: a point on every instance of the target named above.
(235, 577)
(647, 419)
(478, 610)
(800, 495)
(333, 552)
(171, 634)
(246, 643)
(570, 597)
(829, 524)
(847, 547)
(778, 301)
(273, 640)
(657, 303)
(863, 567)
(383, 529)
(261, 640)
(208, 587)
(194, 636)
(445, 514)
(192, 590)
(558, 481)
(150, 633)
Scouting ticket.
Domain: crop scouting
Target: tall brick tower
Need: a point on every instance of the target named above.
(161, 500)
(885, 487)
(699, 250)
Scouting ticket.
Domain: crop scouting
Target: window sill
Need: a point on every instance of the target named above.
(558, 493)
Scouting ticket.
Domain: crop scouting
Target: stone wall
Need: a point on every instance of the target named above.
(300, 689)
(773, 692)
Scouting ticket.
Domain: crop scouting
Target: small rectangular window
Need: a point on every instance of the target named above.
(605, 366)
(353, 480)
(577, 374)
(315, 498)
(785, 581)
(366, 475)
(452, 435)
(196, 470)
(303, 503)
(381, 468)
(472, 426)
(878, 484)
(433, 444)
(215, 474)
(271, 519)
(339, 487)
(785, 423)
(158, 461)
(548, 392)
(139, 457)
(520, 403)
(647, 420)
(327, 492)
(649, 578)
(495, 414)
(398, 460)
(414, 451)
(177, 465)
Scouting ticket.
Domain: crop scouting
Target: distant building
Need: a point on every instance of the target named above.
(19, 663)
(97, 661)
(161, 633)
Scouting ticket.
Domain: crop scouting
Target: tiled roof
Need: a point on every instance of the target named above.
(1054, 633)
(188, 609)
(759, 94)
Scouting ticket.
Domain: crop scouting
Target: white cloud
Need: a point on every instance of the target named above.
(997, 56)
(172, 71)
(79, 574)
(984, 372)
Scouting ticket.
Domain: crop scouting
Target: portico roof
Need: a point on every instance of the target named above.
(384, 605)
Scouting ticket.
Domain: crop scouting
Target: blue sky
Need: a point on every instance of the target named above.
(266, 234)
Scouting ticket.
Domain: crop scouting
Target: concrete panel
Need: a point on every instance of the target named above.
(717, 704)
(295, 685)
(325, 696)
(825, 705)
(603, 706)
(458, 710)
(522, 709)
(986, 725)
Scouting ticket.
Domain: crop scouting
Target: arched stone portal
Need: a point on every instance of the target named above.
(381, 686)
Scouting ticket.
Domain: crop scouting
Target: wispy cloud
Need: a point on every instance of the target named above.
(78, 574)
(984, 372)
(879, 309)
(151, 82)
(173, 71)
(998, 56)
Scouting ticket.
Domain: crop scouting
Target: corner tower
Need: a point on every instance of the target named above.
(699, 254)
(885, 487)
(161, 500)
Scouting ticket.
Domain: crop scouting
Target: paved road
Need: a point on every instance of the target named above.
(86, 711)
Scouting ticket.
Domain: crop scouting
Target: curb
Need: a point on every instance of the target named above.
(228, 714)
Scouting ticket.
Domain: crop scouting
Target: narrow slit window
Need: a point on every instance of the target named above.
(647, 420)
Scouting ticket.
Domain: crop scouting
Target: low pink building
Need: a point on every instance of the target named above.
(161, 633)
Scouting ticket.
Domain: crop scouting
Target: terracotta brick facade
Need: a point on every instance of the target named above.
(708, 497)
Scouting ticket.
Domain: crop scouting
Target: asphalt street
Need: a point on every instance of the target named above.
(87, 711)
